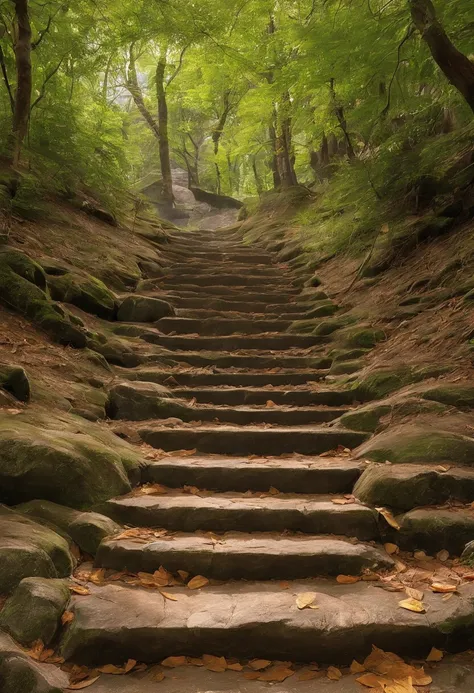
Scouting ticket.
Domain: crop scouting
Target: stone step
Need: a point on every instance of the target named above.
(243, 306)
(239, 556)
(202, 359)
(315, 475)
(196, 268)
(278, 416)
(279, 283)
(229, 294)
(236, 512)
(244, 379)
(220, 326)
(250, 257)
(250, 440)
(249, 620)
(241, 396)
(203, 313)
(267, 342)
(271, 294)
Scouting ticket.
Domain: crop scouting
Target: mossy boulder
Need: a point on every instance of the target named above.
(327, 327)
(14, 380)
(405, 487)
(115, 351)
(84, 292)
(29, 549)
(371, 414)
(410, 443)
(86, 529)
(323, 310)
(54, 460)
(138, 401)
(346, 367)
(361, 337)
(382, 382)
(340, 355)
(19, 290)
(433, 530)
(34, 610)
(365, 418)
(314, 281)
(144, 309)
(455, 395)
(302, 326)
(19, 673)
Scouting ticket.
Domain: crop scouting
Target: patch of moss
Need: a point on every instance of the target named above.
(365, 418)
(362, 337)
(460, 396)
(327, 327)
(323, 311)
(24, 266)
(85, 292)
(345, 367)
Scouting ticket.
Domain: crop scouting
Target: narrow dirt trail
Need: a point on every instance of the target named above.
(249, 503)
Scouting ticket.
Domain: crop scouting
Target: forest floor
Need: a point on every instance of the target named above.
(280, 469)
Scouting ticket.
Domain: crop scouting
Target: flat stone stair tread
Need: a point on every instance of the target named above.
(302, 474)
(254, 396)
(115, 623)
(220, 326)
(282, 416)
(250, 440)
(230, 279)
(197, 302)
(227, 512)
(240, 379)
(455, 674)
(204, 313)
(256, 556)
(251, 360)
(269, 341)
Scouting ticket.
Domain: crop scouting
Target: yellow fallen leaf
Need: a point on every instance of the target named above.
(391, 549)
(347, 579)
(270, 404)
(197, 582)
(213, 663)
(305, 600)
(235, 667)
(112, 669)
(259, 664)
(414, 594)
(82, 684)
(357, 668)
(67, 617)
(171, 597)
(158, 676)
(443, 589)
(36, 650)
(183, 574)
(308, 675)
(435, 655)
(373, 681)
(97, 576)
(172, 662)
(334, 674)
(388, 516)
(414, 605)
(252, 675)
(79, 589)
(276, 674)
(405, 686)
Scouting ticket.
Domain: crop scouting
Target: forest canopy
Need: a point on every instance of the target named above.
(244, 95)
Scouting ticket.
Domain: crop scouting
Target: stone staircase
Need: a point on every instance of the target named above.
(237, 492)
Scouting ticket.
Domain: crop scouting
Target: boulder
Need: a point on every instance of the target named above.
(28, 549)
(327, 327)
(410, 443)
(34, 610)
(435, 529)
(382, 382)
(86, 529)
(85, 292)
(456, 395)
(346, 367)
(405, 487)
(368, 418)
(365, 418)
(144, 309)
(115, 351)
(361, 337)
(14, 380)
(54, 460)
(468, 553)
(138, 401)
(21, 674)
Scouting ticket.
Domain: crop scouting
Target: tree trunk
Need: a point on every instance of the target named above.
(341, 119)
(217, 134)
(163, 128)
(274, 159)
(456, 66)
(24, 82)
(136, 93)
(285, 155)
(258, 180)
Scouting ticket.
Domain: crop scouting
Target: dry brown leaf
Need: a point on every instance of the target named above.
(172, 662)
(357, 668)
(342, 501)
(391, 549)
(388, 516)
(270, 404)
(97, 576)
(195, 661)
(284, 585)
(347, 579)
(414, 605)
(118, 671)
(79, 589)
(259, 664)
(276, 674)
(183, 574)
(153, 489)
(67, 617)
(82, 684)
(308, 675)
(213, 663)
(305, 600)
(198, 582)
(443, 589)
(252, 675)
(158, 676)
(414, 594)
(435, 655)
(405, 686)
(235, 667)
(373, 681)
(334, 674)
(171, 597)
(36, 650)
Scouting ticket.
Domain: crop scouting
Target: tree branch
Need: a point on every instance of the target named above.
(407, 37)
(180, 65)
(6, 80)
(47, 79)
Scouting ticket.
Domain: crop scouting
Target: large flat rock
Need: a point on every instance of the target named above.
(236, 512)
(253, 396)
(116, 623)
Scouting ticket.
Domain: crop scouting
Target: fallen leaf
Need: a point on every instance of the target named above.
(388, 516)
(443, 589)
(347, 579)
(183, 574)
(158, 676)
(252, 675)
(117, 671)
(172, 662)
(373, 681)
(308, 675)
(270, 404)
(276, 674)
(213, 663)
(67, 617)
(97, 576)
(414, 605)
(259, 664)
(197, 582)
(235, 667)
(357, 668)
(36, 650)
(284, 585)
(82, 684)
(414, 594)
(391, 549)
(435, 655)
(405, 686)
(334, 674)
(342, 501)
(305, 600)
(171, 597)
(79, 589)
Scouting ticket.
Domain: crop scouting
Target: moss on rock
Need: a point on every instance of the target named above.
(361, 337)
(144, 309)
(433, 530)
(14, 380)
(365, 418)
(85, 292)
(19, 673)
(456, 395)
(346, 367)
(327, 327)
(323, 310)
(138, 401)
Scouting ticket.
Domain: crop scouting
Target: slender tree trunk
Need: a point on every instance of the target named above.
(456, 66)
(258, 180)
(164, 143)
(24, 82)
(136, 93)
(217, 134)
(285, 155)
(274, 159)
(341, 119)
